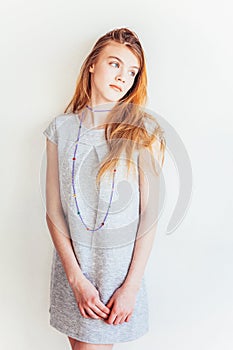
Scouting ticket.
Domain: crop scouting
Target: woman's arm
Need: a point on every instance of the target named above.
(149, 198)
(56, 220)
(86, 294)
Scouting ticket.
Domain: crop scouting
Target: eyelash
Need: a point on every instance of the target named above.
(118, 66)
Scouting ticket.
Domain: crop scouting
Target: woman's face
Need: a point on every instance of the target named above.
(113, 74)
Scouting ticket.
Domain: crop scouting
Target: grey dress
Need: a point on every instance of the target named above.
(103, 255)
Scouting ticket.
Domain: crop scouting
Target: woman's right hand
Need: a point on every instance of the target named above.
(88, 300)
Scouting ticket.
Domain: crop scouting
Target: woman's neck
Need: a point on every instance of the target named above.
(101, 107)
(95, 115)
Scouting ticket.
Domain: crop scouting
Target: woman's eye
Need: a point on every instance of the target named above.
(132, 73)
(116, 63)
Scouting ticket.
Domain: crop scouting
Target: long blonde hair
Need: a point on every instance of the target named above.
(124, 128)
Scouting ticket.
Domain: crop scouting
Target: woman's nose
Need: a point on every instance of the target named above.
(121, 77)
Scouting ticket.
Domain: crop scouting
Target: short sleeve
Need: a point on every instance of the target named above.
(51, 131)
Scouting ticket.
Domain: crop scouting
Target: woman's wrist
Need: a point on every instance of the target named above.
(132, 285)
(75, 279)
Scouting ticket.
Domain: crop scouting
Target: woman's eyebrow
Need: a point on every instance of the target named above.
(117, 58)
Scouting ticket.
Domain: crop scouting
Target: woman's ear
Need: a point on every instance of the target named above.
(91, 68)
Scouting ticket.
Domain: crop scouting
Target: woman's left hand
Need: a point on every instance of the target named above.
(121, 305)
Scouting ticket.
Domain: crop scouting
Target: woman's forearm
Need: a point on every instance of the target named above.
(142, 250)
(63, 244)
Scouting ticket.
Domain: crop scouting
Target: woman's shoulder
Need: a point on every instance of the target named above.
(63, 117)
(63, 122)
(152, 126)
(60, 126)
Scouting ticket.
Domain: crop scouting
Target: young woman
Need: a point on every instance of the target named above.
(104, 156)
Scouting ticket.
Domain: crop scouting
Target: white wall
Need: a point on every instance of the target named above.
(188, 45)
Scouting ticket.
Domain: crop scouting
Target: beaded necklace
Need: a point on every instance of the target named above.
(73, 185)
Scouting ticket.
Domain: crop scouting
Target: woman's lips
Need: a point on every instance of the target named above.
(116, 88)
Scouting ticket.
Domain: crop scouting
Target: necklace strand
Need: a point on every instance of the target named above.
(98, 110)
(73, 185)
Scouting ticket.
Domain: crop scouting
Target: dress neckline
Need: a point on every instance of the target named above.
(89, 129)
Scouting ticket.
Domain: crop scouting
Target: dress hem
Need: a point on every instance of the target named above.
(74, 336)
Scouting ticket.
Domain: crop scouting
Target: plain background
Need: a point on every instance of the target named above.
(188, 45)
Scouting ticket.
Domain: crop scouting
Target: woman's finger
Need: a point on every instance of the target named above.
(128, 318)
(111, 318)
(117, 320)
(91, 313)
(122, 319)
(99, 312)
(83, 312)
(102, 307)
